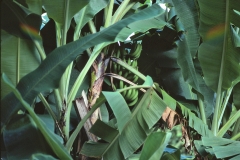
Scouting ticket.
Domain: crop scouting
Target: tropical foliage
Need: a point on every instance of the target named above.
(111, 79)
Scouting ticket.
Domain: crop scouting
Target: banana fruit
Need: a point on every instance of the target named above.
(131, 95)
(136, 52)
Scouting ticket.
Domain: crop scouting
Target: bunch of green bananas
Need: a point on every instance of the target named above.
(131, 95)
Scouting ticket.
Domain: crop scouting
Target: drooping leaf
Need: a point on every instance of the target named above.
(217, 54)
(48, 74)
(119, 107)
(188, 15)
(221, 147)
(49, 136)
(18, 58)
(145, 115)
(193, 121)
(185, 61)
(154, 145)
(104, 131)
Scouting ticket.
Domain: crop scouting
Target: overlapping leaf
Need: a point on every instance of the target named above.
(220, 147)
(18, 58)
(217, 53)
(58, 9)
(122, 145)
(48, 74)
(154, 145)
(88, 12)
(193, 121)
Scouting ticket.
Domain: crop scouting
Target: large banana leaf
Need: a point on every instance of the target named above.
(18, 58)
(122, 145)
(193, 121)
(88, 12)
(48, 74)
(49, 136)
(187, 12)
(218, 55)
(19, 20)
(63, 11)
(220, 147)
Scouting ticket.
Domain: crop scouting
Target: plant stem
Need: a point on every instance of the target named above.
(40, 49)
(82, 122)
(92, 27)
(229, 91)
(47, 106)
(128, 7)
(119, 11)
(108, 11)
(77, 31)
(58, 101)
(18, 61)
(134, 87)
(78, 82)
(236, 137)
(219, 89)
(201, 108)
(130, 68)
(229, 123)
(236, 128)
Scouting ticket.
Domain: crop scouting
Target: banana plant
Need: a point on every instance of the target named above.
(136, 104)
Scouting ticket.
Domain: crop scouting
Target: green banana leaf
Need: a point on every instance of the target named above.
(18, 58)
(123, 113)
(22, 139)
(63, 11)
(51, 138)
(88, 12)
(218, 56)
(188, 15)
(124, 144)
(19, 21)
(154, 145)
(48, 74)
(35, 6)
(220, 147)
(193, 121)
